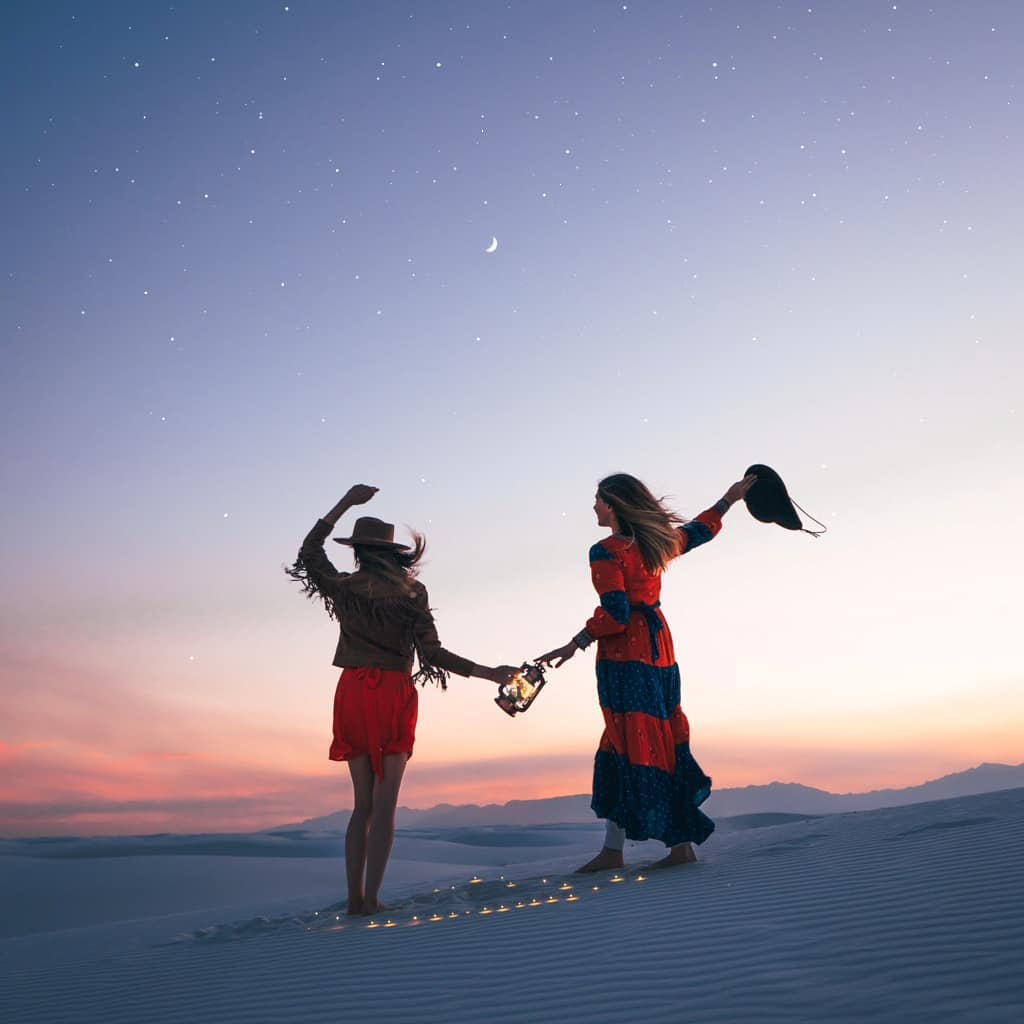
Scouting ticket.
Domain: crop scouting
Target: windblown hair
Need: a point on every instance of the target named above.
(388, 564)
(644, 518)
(401, 567)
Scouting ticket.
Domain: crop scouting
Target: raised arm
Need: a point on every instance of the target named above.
(702, 528)
(357, 494)
(312, 568)
(613, 614)
(707, 525)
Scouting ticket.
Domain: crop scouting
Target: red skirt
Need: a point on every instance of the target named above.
(375, 714)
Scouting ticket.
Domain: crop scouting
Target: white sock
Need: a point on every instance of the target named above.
(614, 837)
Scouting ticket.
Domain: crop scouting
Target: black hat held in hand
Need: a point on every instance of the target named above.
(769, 501)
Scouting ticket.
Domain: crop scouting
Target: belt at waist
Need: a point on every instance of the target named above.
(654, 623)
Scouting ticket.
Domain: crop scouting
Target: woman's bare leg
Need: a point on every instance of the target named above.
(382, 829)
(356, 834)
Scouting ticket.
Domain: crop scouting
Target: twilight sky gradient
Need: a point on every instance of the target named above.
(244, 268)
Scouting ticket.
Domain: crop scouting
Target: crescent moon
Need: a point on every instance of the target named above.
(493, 246)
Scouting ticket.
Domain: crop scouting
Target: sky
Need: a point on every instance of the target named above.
(245, 266)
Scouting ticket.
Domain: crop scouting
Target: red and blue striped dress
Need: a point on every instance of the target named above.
(645, 778)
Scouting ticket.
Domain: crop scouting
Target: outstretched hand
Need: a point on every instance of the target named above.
(739, 489)
(359, 494)
(562, 654)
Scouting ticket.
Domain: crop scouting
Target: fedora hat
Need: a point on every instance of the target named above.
(372, 532)
(769, 501)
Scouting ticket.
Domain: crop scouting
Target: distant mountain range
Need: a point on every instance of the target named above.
(774, 798)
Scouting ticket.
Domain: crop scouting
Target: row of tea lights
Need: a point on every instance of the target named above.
(501, 908)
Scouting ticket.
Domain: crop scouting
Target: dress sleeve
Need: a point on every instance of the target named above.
(612, 614)
(700, 530)
(313, 569)
(435, 661)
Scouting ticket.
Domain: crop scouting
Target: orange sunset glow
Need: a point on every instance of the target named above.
(479, 284)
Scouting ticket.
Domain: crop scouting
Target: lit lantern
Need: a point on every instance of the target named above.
(521, 690)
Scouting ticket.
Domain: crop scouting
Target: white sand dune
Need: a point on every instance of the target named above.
(907, 914)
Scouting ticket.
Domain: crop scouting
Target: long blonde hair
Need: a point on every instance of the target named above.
(643, 517)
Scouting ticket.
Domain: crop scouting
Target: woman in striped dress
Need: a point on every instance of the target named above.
(647, 784)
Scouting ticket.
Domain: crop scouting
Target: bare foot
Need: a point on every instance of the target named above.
(606, 860)
(354, 908)
(376, 907)
(684, 853)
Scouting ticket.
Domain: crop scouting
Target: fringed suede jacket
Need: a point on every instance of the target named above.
(381, 624)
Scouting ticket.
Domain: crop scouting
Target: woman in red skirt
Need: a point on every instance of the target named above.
(384, 620)
(647, 784)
